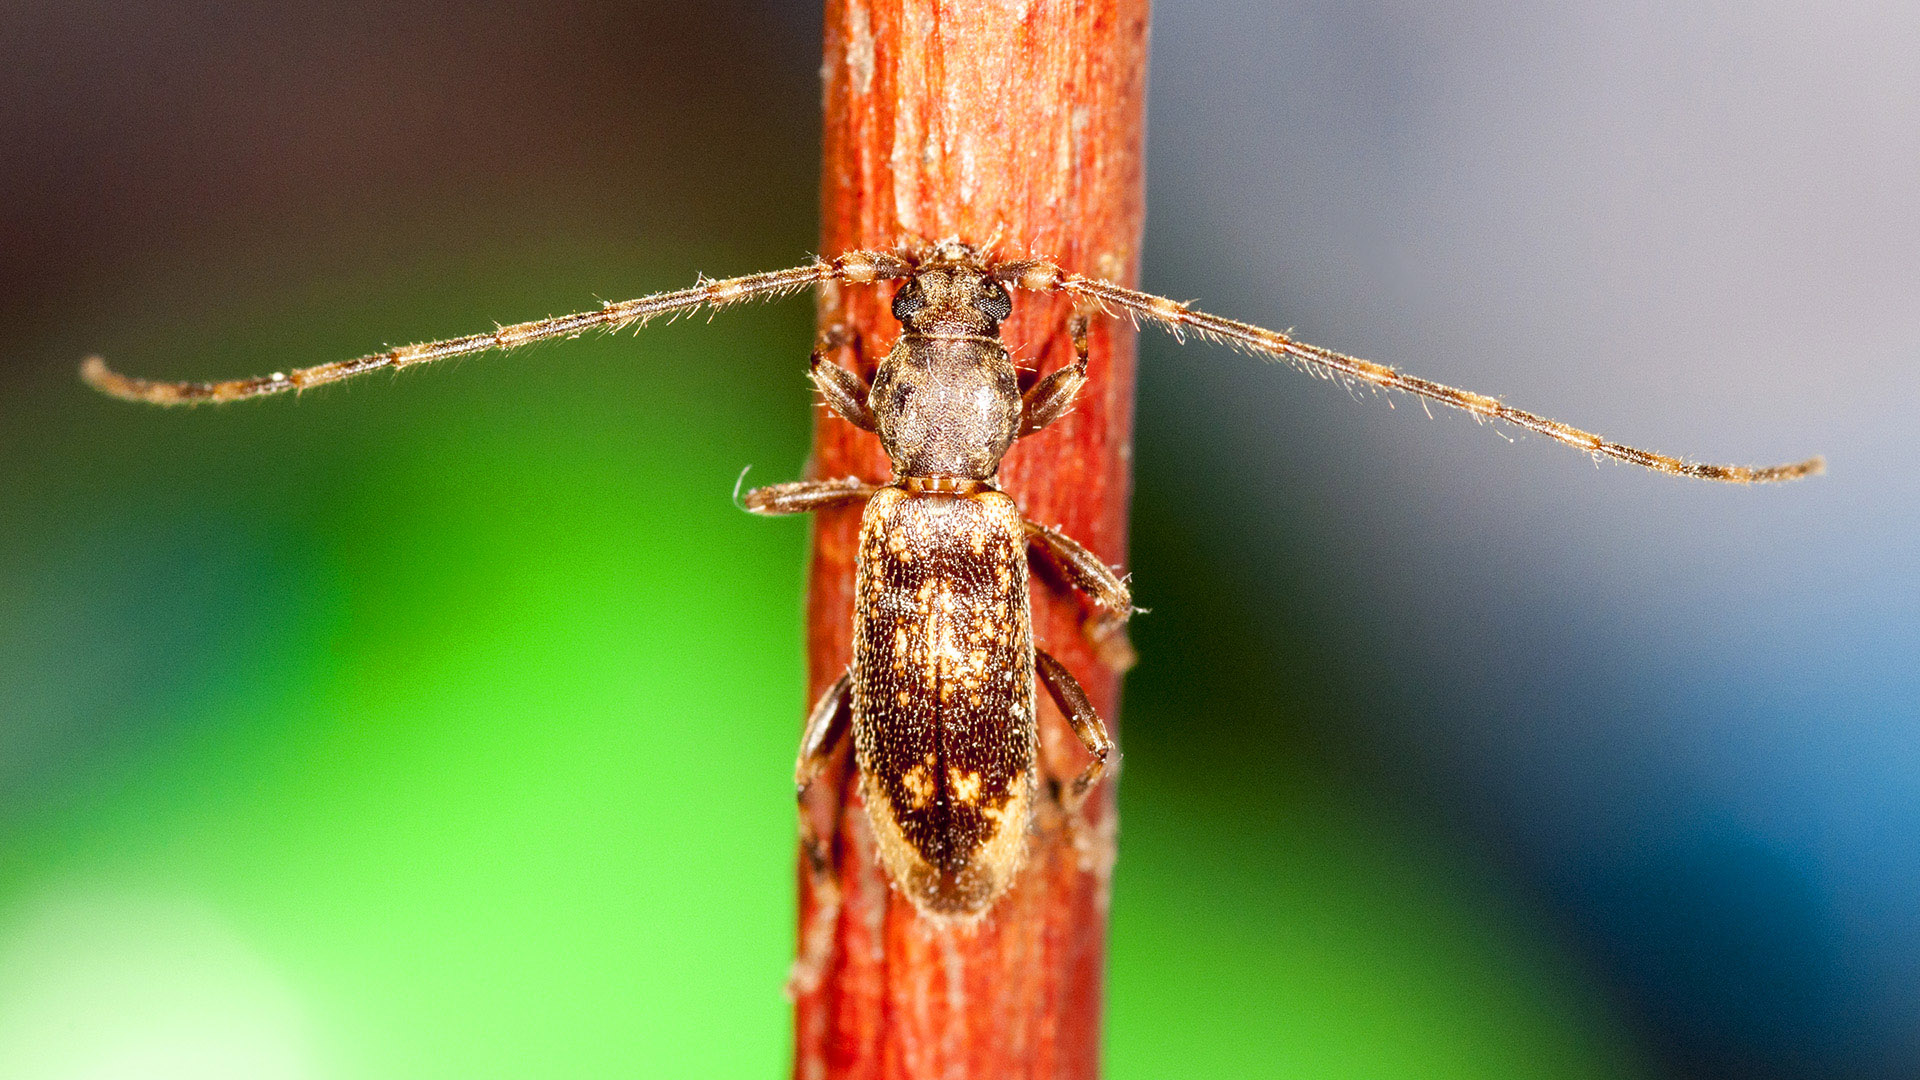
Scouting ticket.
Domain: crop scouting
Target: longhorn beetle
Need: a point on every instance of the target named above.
(940, 698)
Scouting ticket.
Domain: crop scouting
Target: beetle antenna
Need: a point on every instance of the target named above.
(1175, 317)
(857, 267)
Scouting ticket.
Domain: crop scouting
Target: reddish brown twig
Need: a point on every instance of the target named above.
(1021, 128)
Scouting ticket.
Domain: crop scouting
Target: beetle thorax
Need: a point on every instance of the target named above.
(947, 398)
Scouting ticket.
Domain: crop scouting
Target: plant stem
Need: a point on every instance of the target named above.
(1017, 126)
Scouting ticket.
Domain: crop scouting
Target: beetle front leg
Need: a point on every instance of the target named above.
(1106, 627)
(846, 392)
(1080, 713)
(1052, 396)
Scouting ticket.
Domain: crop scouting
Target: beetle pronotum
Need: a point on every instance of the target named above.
(940, 696)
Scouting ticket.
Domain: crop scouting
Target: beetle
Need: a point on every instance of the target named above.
(940, 697)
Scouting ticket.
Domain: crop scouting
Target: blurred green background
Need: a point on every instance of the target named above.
(439, 725)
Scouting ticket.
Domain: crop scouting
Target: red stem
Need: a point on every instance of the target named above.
(1016, 125)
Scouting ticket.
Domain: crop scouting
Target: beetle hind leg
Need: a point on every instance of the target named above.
(827, 728)
(1085, 720)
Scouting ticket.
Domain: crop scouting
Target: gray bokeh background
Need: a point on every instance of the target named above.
(1685, 714)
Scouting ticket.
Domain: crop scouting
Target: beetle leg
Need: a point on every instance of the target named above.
(803, 496)
(1082, 569)
(1086, 722)
(846, 392)
(827, 728)
(832, 716)
(1050, 397)
(1106, 627)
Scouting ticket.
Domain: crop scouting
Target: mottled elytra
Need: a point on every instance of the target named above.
(940, 697)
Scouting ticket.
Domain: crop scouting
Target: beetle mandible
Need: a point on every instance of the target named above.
(940, 696)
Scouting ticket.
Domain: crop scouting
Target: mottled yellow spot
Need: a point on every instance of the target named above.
(964, 786)
(943, 658)
(904, 698)
(919, 786)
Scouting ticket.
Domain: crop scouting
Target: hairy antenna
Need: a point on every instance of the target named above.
(858, 267)
(868, 267)
(1178, 318)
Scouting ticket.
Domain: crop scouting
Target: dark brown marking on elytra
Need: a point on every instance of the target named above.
(943, 693)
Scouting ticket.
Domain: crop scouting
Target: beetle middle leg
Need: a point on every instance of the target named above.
(1106, 627)
(827, 726)
(804, 496)
(1085, 720)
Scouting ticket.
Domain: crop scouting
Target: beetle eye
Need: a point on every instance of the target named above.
(908, 300)
(994, 302)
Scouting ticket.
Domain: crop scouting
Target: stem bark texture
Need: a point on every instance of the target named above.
(1015, 126)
